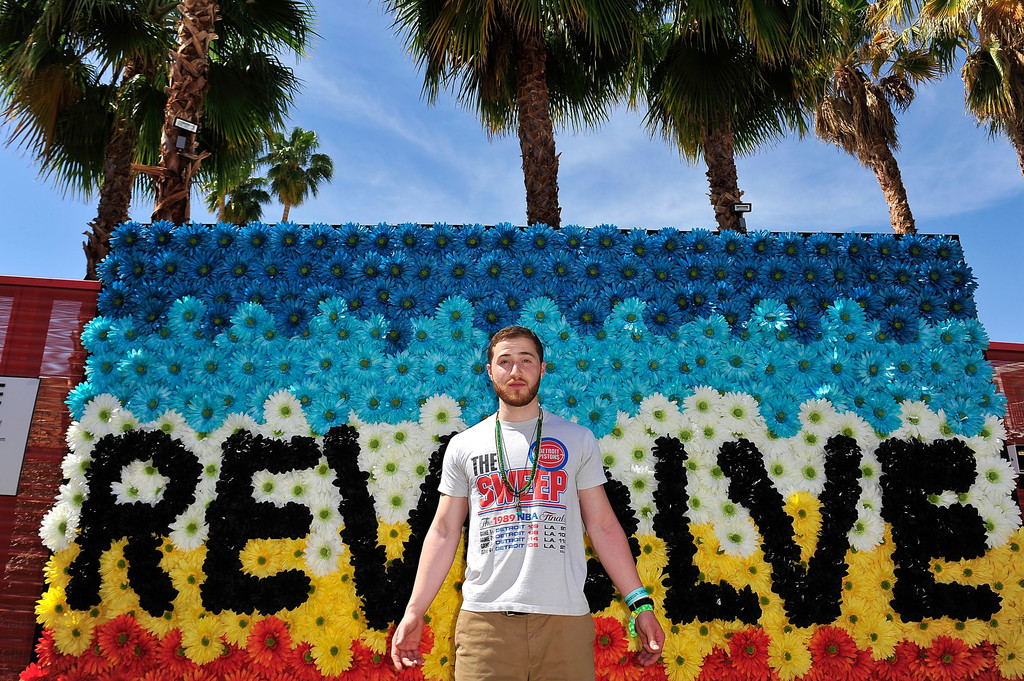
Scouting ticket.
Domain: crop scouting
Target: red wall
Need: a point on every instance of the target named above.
(41, 321)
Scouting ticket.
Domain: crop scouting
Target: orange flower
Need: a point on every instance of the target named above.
(269, 643)
(748, 650)
(717, 666)
(623, 669)
(948, 659)
(834, 653)
(170, 655)
(303, 665)
(123, 641)
(610, 644)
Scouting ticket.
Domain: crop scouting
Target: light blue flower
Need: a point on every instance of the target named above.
(97, 336)
(250, 320)
(137, 366)
(975, 334)
(963, 416)
(598, 415)
(971, 366)
(780, 414)
(769, 315)
(881, 411)
(325, 414)
(991, 401)
(149, 401)
(204, 412)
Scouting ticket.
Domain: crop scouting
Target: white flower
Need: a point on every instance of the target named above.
(918, 421)
(641, 484)
(639, 448)
(98, 414)
(189, 530)
(870, 468)
(1001, 518)
(171, 422)
(705, 404)
(710, 435)
(75, 465)
(870, 499)
(140, 482)
(282, 413)
(737, 536)
(419, 466)
(645, 518)
(622, 425)
(322, 553)
(850, 424)
(395, 506)
(80, 440)
(741, 415)
(373, 441)
(293, 486)
(995, 478)
(74, 493)
(234, 423)
(867, 532)
(818, 417)
(404, 435)
(320, 478)
(784, 469)
(265, 486)
(658, 414)
(441, 415)
(614, 455)
(58, 527)
(990, 439)
(123, 421)
(324, 508)
(811, 467)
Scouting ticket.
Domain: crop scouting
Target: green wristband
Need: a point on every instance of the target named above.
(632, 617)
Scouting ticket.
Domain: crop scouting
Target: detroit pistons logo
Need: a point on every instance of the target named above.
(553, 455)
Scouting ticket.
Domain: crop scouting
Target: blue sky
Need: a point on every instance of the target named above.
(399, 160)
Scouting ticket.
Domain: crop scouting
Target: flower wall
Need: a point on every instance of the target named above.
(800, 433)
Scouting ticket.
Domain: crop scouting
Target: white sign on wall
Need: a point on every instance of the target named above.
(17, 402)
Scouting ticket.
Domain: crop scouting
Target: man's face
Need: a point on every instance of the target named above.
(515, 371)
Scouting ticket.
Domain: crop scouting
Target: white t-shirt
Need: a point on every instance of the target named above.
(535, 562)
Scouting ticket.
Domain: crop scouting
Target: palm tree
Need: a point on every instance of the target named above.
(242, 203)
(872, 74)
(296, 170)
(524, 65)
(990, 33)
(240, 25)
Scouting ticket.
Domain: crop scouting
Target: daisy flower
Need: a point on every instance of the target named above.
(704, 405)
(58, 528)
(737, 535)
(283, 412)
(172, 423)
(189, 531)
(818, 417)
(99, 414)
(80, 441)
(322, 553)
(441, 415)
(658, 414)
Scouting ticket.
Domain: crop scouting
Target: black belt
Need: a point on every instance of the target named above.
(513, 613)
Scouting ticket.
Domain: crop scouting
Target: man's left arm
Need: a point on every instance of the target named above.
(612, 548)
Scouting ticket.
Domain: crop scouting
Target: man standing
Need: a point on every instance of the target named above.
(530, 482)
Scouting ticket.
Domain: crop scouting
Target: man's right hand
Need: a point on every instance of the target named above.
(405, 646)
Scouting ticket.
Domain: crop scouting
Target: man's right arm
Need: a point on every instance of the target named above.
(436, 558)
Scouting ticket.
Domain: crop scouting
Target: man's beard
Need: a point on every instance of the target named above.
(518, 399)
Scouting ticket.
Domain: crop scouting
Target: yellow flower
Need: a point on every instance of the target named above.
(971, 632)
(392, 536)
(176, 558)
(1010, 658)
(805, 509)
(201, 638)
(773, 616)
(922, 633)
(73, 633)
(439, 663)
(682, 662)
(236, 626)
(700, 637)
(263, 557)
(375, 640)
(314, 621)
(788, 654)
(118, 596)
(653, 552)
(187, 579)
(113, 564)
(755, 572)
(333, 652)
(159, 625)
(56, 570)
(52, 606)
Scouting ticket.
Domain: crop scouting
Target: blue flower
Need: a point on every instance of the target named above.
(126, 236)
(778, 273)
(842, 273)
(570, 238)
(780, 414)
(204, 412)
(599, 416)
(662, 316)
(368, 403)
(748, 270)
(492, 314)
(899, 323)
(470, 238)
(638, 242)
(930, 306)
(856, 247)
(823, 245)
(113, 299)
(285, 238)
(695, 267)
(605, 239)
(948, 250)
(630, 270)
(884, 245)
(150, 314)
(733, 244)
(168, 264)
(225, 236)
(937, 273)
(318, 240)
(161, 234)
(700, 295)
(503, 237)
(915, 247)
(136, 265)
(493, 268)
(540, 238)
(902, 274)
(699, 241)
(109, 269)
(810, 271)
(719, 267)
(423, 333)
(238, 264)
(761, 244)
(441, 239)
(399, 404)
(271, 265)
(398, 335)
(661, 270)
(607, 297)
(352, 237)
(458, 269)
(382, 238)
(254, 237)
(893, 296)
(291, 316)
(963, 416)
(259, 291)
(667, 242)
(301, 269)
(327, 412)
(961, 305)
(792, 245)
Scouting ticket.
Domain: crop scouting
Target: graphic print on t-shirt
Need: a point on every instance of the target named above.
(541, 524)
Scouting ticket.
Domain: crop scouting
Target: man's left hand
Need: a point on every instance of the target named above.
(651, 635)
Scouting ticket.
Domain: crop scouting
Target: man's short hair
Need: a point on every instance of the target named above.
(510, 332)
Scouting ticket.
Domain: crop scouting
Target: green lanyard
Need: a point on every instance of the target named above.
(512, 489)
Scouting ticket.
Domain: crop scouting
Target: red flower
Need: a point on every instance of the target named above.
(834, 653)
(610, 644)
(119, 639)
(716, 667)
(624, 669)
(411, 674)
(51, 660)
(231, 659)
(93, 661)
(303, 664)
(748, 650)
(370, 665)
(654, 672)
(170, 655)
(982, 658)
(34, 672)
(269, 644)
(947, 660)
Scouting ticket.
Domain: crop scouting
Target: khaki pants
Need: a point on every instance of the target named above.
(495, 646)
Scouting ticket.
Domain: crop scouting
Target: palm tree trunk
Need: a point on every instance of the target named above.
(115, 195)
(881, 160)
(222, 207)
(1016, 128)
(722, 177)
(189, 68)
(536, 133)
(287, 209)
